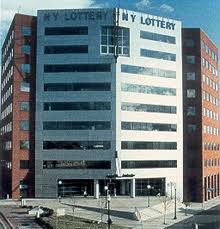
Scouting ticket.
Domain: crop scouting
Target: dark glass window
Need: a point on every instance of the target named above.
(56, 125)
(26, 49)
(24, 164)
(77, 87)
(68, 106)
(24, 144)
(148, 126)
(158, 54)
(148, 145)
(24, 106)
(26, 30)
(137, 107)
(157, 37)
(66, 31)
(77, 68)
(60, 49)
(77, 164)
(77, 145)
(189, 42)
(148, 164)
(148, 89)
(148, 71)
(26, 68)
(25, 86)
(24, 125)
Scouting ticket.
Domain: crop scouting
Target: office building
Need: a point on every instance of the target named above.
(18, 108)
(201, 117)
(108, 103)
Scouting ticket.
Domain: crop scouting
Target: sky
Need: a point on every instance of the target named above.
(203, 14)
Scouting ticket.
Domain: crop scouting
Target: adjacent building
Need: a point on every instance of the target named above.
(201, 117)
(18, 108)
(108, 103)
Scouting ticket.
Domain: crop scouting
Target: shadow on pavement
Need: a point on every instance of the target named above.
(119, 214)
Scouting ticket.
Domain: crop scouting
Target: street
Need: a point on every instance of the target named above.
(207, 219)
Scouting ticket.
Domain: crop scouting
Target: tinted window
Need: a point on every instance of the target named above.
(157, 37)
(24, 125)
(148, 71)
(65, 106)
(77, 87)
(76, 164)
(137, 107)
(77, 68)
(158, 55)
(60, 49)
(26, 30)
(148, 145)
(76, 145)
(24, 106)
(24, 164)
(66, 31)
(148, 164)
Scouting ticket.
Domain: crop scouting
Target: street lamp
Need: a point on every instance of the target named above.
(108, 199)
(149, 187)
(60, 183)
(174, 201)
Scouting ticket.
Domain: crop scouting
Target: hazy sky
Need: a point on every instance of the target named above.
(193, 13)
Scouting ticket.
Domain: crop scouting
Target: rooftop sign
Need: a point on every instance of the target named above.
(149, 21)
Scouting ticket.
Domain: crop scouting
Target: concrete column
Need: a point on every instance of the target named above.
(133, 188)
(123, 187)
(96, 189)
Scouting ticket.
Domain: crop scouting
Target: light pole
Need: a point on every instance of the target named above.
(108, 199)
(148, 194)
(174, 202)
(61, 183)
(171, 184)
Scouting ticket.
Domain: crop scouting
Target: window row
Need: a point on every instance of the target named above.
(148, 71)
(210, 98)
(84, 106)
(7, 94)
(148, 108)
(209, 66)
(210, 82)
(76, 145)
(8, 44)
(77, 87)
(208, 50)
(77, 164)
(212, 162)
(6, 128)
(148, 89)
(86, 125)
(148, 126)
(7, 78)
(211, 146)
(210, 130)
(6, 111)
(157, 37)
(158, 54)
(50, 68)
(210, 114)
(7, 62)
(132, 145)
(51, 31)
(148, 164)
(115, 40)
(62, 49)
(7, 145)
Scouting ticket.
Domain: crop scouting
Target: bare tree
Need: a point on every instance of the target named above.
(166, 202)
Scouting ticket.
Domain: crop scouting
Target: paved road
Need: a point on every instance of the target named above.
(209, 219)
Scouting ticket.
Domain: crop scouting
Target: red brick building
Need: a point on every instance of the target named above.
(18, 108)
(201, 117)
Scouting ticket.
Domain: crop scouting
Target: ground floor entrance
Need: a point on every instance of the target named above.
(117, 187)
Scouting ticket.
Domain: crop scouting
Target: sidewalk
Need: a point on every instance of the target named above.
(122, 210)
